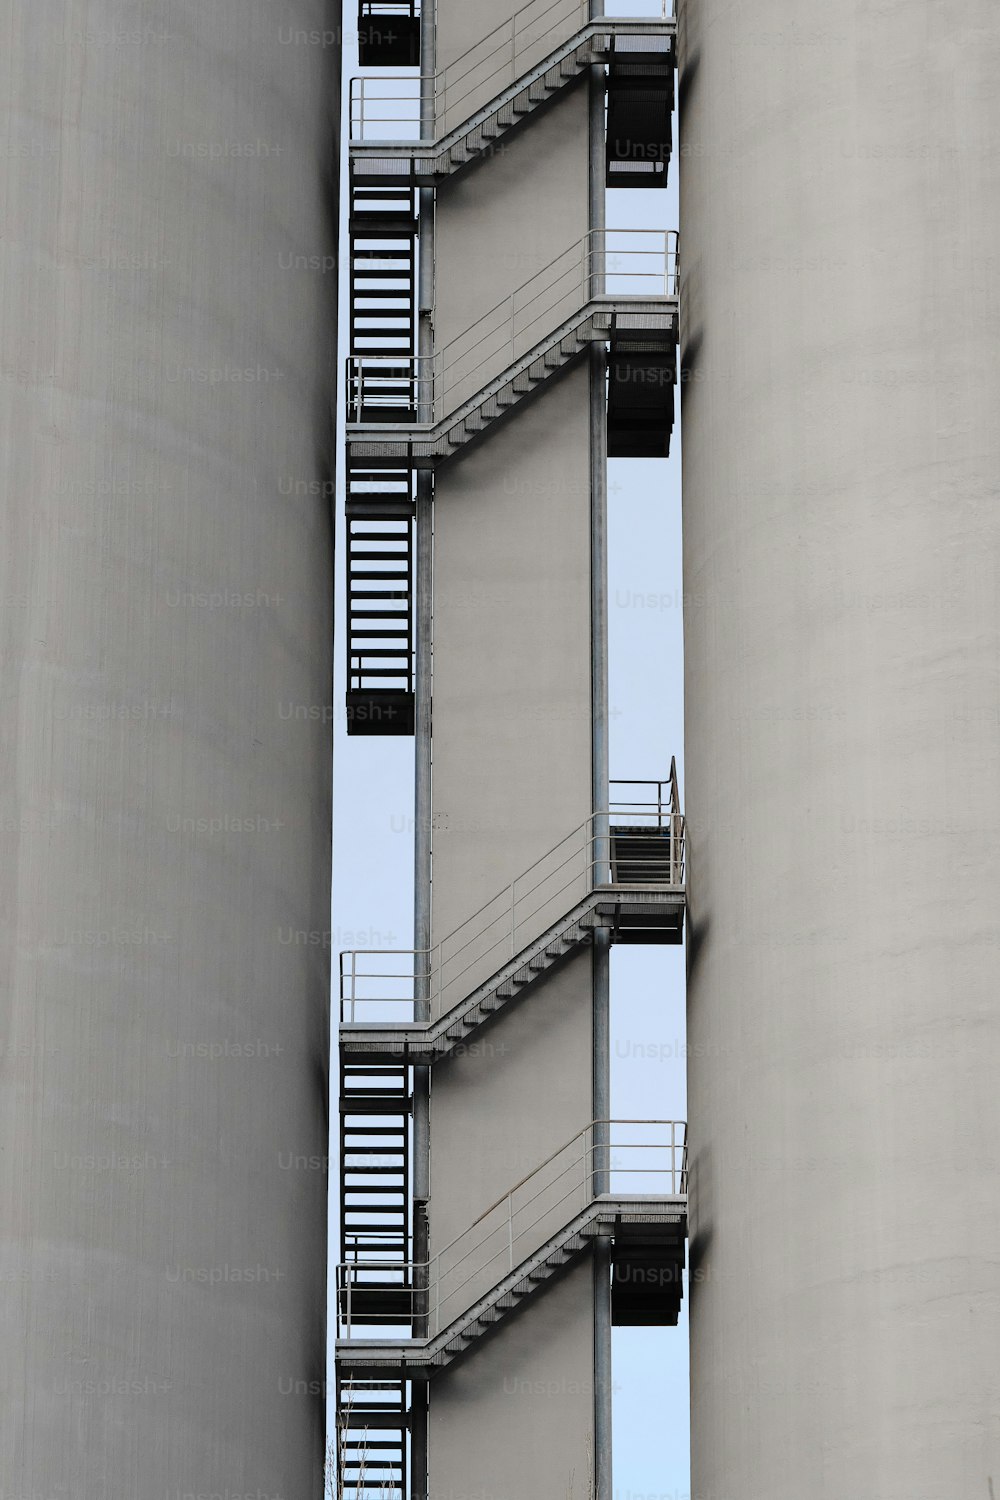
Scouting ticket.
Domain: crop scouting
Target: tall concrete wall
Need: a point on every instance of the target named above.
(512, 776)
(165, 630)
(840, 192)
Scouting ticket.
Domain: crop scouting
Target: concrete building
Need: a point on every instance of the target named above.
(169, 182)
(503, 344)
(839, 212)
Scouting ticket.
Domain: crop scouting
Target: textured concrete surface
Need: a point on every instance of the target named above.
(165, 626)
(840, 191)
(512, 776)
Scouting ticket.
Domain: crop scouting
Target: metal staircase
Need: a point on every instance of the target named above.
(662, 919)
(424, 1357)
(621, 871)
(477, 1282)
(506, 79)
(373, 1426)
(614, 286)
(378, 390)
(383, 245)
(375, 1109)
(380, 505)
(380, 564)
(373, 1415)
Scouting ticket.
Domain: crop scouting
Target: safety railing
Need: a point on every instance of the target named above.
(388, 107)
(617, 265)
(380, 984)
(640, 797)
(609, 1158)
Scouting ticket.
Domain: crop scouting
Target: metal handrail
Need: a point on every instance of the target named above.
(505, 924)
(502, 56)
(492, 64)
(667, 799)
(447, 1276)
(497, 58)
(605, 265)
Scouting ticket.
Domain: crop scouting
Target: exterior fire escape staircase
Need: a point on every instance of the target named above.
(626, 877)
(406, 414)
(638, 55)
(375, 1216)
(622, 870)
(373, 1426)
(380, 504)
(374, 1414)
(649, 1229)
(616, 287)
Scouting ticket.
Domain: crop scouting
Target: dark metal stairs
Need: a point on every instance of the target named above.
(383, 274)
(375, 1204)
(380, 506)
(380, 600)
(373, 1426)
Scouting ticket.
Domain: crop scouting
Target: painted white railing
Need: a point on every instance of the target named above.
(387, 106)
(616, 265)
(381, 984)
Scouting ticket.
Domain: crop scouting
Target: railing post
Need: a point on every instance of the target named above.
(430, 1293)
(600, 842)
(601, 1152)
(510, 1231)
(598, 250)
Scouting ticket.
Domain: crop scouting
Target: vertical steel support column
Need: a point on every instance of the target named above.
(424, 538)
(423, 678)
(599, 699)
